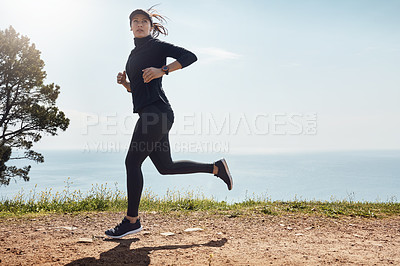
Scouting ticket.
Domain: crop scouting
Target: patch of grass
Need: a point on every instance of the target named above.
(269, 210)
(103, 198)
(99, 198)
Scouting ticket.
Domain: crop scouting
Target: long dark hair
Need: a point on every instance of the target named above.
(158, 27)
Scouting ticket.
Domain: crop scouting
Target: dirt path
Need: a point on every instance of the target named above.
(255, 240)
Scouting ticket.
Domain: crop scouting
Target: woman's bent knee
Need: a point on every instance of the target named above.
(165, 170)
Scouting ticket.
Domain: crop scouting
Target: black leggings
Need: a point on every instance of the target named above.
(150, 138)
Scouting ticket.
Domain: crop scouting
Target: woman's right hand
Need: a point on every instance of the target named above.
(121, 78)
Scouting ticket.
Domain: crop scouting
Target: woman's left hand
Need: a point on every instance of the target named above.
(151, 73)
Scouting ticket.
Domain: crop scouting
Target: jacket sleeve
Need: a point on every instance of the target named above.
(183, 56)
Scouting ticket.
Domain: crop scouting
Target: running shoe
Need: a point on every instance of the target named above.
(124, 228)
(223, 173)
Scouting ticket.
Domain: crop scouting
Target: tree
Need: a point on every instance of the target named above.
(27, 106)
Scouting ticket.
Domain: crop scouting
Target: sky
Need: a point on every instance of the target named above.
(271, 76)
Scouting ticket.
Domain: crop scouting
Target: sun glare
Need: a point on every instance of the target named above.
(47, 13)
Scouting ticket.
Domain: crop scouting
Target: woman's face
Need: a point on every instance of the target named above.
(140, 26)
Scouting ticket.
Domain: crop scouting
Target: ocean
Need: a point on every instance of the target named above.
(337, 175)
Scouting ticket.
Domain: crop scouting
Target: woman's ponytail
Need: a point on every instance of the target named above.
(158, 27)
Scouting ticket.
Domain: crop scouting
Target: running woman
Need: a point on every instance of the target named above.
(145, 68)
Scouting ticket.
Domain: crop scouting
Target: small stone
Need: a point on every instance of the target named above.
(282, 225)
(167, 234)
(219, 233)
(299, 234)
(357, 235)
(85, 240)
(192, 229)
(309, 228)
(146, 233)
(68, 227)
(289, 228)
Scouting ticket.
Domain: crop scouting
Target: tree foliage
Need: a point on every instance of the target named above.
(27, 106)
